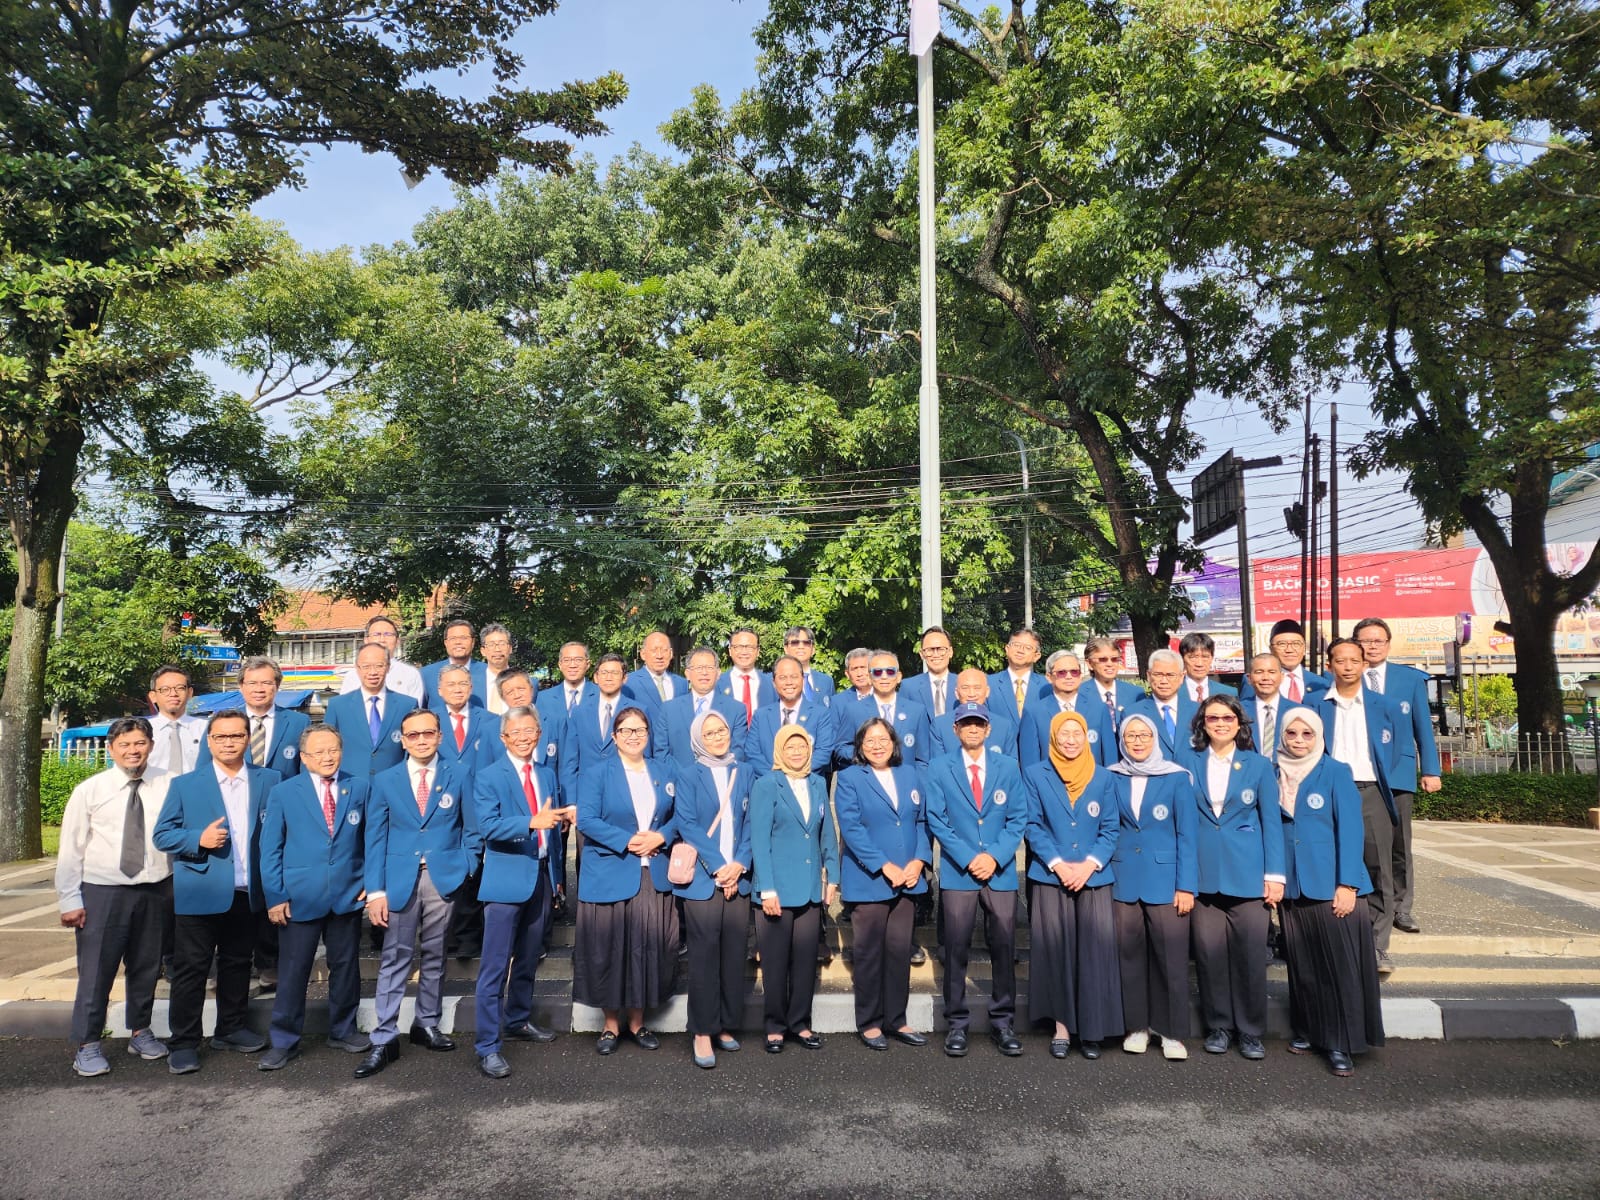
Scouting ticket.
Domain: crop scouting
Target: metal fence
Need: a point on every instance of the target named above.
(1535, 753)
(85, 750)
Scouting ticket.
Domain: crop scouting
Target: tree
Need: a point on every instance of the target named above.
(1437, 182)
(127, 129)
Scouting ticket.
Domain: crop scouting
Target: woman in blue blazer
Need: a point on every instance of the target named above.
(796, 855)
(1328, 944)
(1156, 871)
(710, 817)
(1240, 843)
(1072, 831)
(627, 928)
(883, 827)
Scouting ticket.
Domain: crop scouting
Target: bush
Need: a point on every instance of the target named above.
(57, 778)
(1513, 798)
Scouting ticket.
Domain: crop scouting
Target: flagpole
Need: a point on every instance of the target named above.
(932, 583)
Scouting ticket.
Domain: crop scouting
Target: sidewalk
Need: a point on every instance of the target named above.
(1510, 947)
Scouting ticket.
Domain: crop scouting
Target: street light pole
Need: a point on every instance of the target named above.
(1027, 534)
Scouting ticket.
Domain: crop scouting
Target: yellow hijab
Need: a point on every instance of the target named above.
(1074, 772)
(785, 732)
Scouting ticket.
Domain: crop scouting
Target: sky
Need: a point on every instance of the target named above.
(664, 49)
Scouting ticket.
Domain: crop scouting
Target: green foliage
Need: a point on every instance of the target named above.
(57, 778)
(1511, 798)
(1491, 698)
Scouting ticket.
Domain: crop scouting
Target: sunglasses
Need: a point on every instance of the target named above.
(884, 672)
(1067, 673)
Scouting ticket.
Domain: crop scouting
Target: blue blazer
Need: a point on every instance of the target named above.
(1156, 851)
(582, 747)
(762, 693)
(1057, 828)
(283, 747)
(1002, 736)
(510, 849)
(551, 705)
(317, 872)
(818, 720)
(696, 808)
(920, 690)
(1406, 690)
(430, 682)
(789, 853)
(874, 832)
(1316, 685)
(964, 832)
(1033, 741)
(1149, 707)
(607, 872)
(1238, 850)
(820, 686)
(669, 728)
(483, 738)
(399, 838)
(641, 689)
(362, 758)
(1127, 694)
(1284, 708)
(1383, 741)
(202, 880)
(1323, 840)
(911, 726)
(1002, 700)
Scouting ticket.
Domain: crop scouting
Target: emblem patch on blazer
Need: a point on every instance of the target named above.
(289, 752)
(1238, 766)
(911, 739)
(1405, 708)
(671, 790)
(1248, 795)
(446, 800)
(1388, 736)
(395, 737)
(354, 818)
(915, 799)
(1094, 808)
(1094, 736)
(1315, 800)
(550, 750)
(999, 797)
(1159, 812)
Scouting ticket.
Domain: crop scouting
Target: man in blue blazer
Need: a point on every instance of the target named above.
(586, 738)
(653, 685)
(978, 812)
(793, 708)
(972, 687)
(368, 719)
(1019, 678)
(1301, 684)
(1065, 672)
(471, 735)
(312, 841)
(421, 848)
(669, 732)
(459, 642)
(1104, 660)
(907, 718)
(801, 643)
(516, 814)
(743, 681)
(935, 688)
(1199, 651)
(210, 825)
(1165, 703)
(1406, 689)
(1267, 715)
(1361, 733)
(274, 732)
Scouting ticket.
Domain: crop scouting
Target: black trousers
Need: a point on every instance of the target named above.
(297, 950)
(788, 945)
(1401, 868)
(122, 926)
(230, 936)
(464, 938)
(715, 930)
(960, 912)
(1230, 960)
(881, 961)
(1153, 949)
(1377, 851)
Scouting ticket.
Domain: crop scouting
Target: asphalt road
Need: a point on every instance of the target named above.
(1418, 1120)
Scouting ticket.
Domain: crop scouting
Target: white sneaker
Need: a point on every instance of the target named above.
(1137, 1042)
(1173, 1050)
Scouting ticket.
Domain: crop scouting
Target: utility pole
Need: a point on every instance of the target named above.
(925, 29)
(1333, 515)
(1027, 534)
(1313, 628)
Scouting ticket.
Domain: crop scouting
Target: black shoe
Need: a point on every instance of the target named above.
(1218, 1041)
(377, 1059)
(646, 1039)
(811, 1041)
(1091, 1050)
(1006, 1040)
(1251, 1048)
(1406, 924)
(774, 1045)
(432, 1037)
(919, 956)
(494, 1066)
(909, 1036)
(955, 1043)
(1059, 1047)
(1339, 1062)
(527, 1031)
(1385, 967)
(874, 1043)
(1299, 1045)
(606, 1043)
(824, 956)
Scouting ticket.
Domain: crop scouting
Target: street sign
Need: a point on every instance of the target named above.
(1216, 496)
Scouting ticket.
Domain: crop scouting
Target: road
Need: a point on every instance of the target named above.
(1420, 1120)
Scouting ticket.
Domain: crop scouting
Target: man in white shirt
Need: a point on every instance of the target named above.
(175, 736)
(935, 688)
(403, 677)
(1199, 652)
(114, 890)
(494, 643)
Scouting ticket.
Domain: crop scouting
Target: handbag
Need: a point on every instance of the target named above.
(681, 864)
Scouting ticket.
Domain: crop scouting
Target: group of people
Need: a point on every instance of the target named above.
(1140, 826)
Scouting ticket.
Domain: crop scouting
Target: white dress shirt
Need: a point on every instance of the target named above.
(91, 834)
(981, 762)
(403, 678)
(802, 794)
(190, 730)
(1351, 744)
(1136, 793)
(643, 794)
(1218, 766)
(236, 801)
(885, 779)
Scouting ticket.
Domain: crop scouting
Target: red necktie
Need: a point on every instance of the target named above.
(532, 795)
(1294, 689)
(461, 732)
(422, 791)
(327, 804)
(749, 705)
(977, 786)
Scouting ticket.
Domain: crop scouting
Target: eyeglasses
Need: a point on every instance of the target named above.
(228, 737)
(171, 691)
(927, 650)
(1372, 641)
(632, 731)
(1290, 643)
(1221, 719)
(798, 642)
(412, 735)
(884, 672)
(1067, 673)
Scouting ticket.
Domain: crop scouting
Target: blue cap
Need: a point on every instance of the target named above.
(969, 710)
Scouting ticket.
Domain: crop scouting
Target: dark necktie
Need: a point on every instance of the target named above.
(132, 861)
(258, 741)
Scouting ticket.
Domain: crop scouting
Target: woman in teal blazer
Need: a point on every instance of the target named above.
(795, 852)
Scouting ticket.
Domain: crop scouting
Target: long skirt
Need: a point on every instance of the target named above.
(1333, 976)
(1075, 976)
(626, 952)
